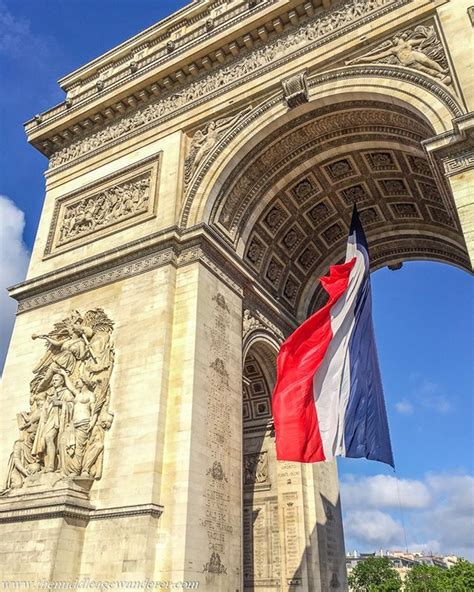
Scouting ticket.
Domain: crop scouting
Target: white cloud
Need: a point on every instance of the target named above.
(432, 397)
(381, 491)
(427, 394)
(14, 257)
(17, 40)
(404, 407)
(12, 32)
(438, 513)
(373, 527)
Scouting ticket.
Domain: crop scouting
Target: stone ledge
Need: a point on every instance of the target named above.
(47, 495)
(21, 510)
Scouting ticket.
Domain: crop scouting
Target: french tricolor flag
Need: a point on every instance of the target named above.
(328, 399)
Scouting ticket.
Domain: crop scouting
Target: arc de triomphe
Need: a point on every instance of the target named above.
(201, 176)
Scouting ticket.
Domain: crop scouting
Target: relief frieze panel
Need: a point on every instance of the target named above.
(123, 200)
(63, 432)
(284, 47)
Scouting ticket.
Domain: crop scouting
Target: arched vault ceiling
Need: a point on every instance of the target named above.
(286, 207)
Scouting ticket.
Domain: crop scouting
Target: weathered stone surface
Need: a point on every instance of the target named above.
(195, 206)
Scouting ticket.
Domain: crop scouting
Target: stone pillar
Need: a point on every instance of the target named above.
(200, 531)
(452, 154)
(456, 23)
(460, 174)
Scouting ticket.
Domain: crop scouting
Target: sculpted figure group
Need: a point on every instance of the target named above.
(104, 208)
(64, 429)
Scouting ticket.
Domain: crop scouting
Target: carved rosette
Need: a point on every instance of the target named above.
(62, 434)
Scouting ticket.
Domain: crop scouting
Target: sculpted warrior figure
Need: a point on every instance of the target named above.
(66, 348)
(92, 463)
(73, 440)
(22, 461)
(56, 415)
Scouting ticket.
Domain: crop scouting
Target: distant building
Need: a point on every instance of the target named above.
(402, 561)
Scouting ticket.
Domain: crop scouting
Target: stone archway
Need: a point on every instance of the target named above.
(285, 206)
(292, 527)
(261, 529)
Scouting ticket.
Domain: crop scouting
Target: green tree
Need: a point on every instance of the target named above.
(374, 574)
(424, 578)
(461, 577)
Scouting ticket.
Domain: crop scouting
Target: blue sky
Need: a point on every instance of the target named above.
(423, 313)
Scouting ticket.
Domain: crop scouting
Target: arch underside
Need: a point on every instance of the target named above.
(286, 206)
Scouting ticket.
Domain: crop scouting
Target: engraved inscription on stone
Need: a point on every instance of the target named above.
(293, 552)
(261, 543)
(217, 522)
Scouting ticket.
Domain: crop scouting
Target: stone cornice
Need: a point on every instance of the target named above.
(80, 512)
(48, 134)
(200, 24)
(171, 246)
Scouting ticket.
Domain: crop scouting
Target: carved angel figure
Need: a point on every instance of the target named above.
(419, 49)
(204, 140)
(64, 430)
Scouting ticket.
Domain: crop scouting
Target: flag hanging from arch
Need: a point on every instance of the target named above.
(328, 399)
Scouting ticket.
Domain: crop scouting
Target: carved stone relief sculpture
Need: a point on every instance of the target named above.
(205, 139)
(295, 90)
(111, 204)
(255, 469)
(256, 321)
(271, 54)
(418, 48)
(104, 208)
(63, 432)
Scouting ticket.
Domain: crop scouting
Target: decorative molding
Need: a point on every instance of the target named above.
(418, 78)
(88, 281)
(280, 51)
(76, 512)
(139, 256)
(146, 58)
(457, 164)
(295, 141)
(295, 90)
(394, 72)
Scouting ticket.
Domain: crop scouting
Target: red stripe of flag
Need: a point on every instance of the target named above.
(294, 410)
